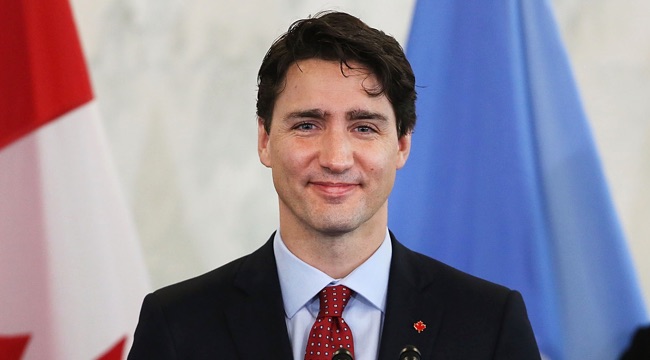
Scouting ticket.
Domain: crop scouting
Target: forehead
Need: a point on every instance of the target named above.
(331, 85)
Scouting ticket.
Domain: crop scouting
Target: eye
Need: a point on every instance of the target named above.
(305, 126)
(364, 129)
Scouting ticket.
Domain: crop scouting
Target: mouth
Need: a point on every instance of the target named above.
(334, 189)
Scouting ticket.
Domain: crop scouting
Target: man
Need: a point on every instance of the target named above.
(336, 108)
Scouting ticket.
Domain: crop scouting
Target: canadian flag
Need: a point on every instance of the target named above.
(71, 271)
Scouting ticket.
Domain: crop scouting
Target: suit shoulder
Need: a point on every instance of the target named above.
(454, 282)
(485, 315)
(223, 285)
(208, 286)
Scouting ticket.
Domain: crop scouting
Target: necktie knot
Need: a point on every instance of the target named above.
(330, 332)
(333, 300)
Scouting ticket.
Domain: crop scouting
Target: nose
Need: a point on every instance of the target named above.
(336, 151)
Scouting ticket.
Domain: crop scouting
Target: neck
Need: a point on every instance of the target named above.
(337, 255)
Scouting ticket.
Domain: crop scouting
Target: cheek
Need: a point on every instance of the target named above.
(290, 162)
(382, 163)
(297, 153)
(383, 170)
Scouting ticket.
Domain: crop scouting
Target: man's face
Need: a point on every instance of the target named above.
(333, 149)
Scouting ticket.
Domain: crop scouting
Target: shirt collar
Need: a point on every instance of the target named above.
(300, 282)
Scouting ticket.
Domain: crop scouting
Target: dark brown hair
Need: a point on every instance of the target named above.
(340, 37)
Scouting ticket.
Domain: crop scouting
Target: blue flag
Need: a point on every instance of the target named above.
(504, 181)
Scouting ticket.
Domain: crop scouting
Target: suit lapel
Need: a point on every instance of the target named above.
(411, 298)
(256, 317)
(256, 320)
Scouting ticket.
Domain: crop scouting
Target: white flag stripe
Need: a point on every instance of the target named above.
(24, 291)
(90, 275)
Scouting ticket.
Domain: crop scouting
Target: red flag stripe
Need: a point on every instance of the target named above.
(13, 347)
(115, 353)
(42, 70)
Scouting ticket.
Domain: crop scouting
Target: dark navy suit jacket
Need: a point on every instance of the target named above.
(236, 312)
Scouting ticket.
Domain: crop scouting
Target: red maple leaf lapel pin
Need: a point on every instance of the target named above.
(419, 326)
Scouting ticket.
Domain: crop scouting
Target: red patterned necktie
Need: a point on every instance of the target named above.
(330, 332)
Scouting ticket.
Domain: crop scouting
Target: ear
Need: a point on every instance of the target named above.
(403, 149)
(263, 143)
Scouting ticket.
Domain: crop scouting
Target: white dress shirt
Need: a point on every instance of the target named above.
(301, 282)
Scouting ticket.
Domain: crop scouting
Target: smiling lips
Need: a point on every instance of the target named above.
(334, 189)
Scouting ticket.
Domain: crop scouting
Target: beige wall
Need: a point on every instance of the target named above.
(176, 87)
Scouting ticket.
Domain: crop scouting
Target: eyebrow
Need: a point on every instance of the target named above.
(309, 113)
(356, 114)
(359, 114)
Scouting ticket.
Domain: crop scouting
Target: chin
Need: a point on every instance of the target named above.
(336, 231)
(337, 228)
